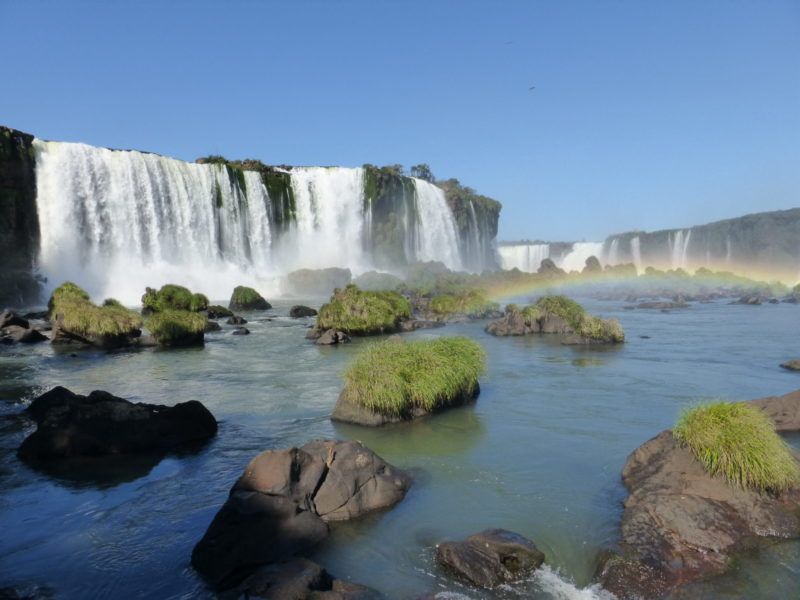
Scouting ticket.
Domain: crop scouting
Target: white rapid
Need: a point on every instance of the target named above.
(436, 237)
(575, 259)
(636, 252)
(525, 257)
(117, 221)
(679, 248)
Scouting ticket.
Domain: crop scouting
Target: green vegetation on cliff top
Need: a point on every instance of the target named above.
(363, 313)
(739, 441)
(174, 297)
(394, 377)
(71, 307)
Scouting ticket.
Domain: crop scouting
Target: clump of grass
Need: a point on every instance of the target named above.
(173, 297)
(75, 313)
(581, 322)
(468, 302)
(363, 313)
(246, 298)
(394, 377)
(176, 327)
(739, 441)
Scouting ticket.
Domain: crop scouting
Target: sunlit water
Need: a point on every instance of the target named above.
(540, 453)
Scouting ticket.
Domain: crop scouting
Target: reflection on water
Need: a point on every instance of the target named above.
(540, 452)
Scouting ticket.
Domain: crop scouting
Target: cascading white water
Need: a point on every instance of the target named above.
(118, 221)
(436, 228)
(679, 248)
(575, 260)
(613, 252)
(636, 252)
(525, 257)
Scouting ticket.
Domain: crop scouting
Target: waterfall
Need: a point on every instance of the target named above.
(436, 228)
(525, 257)
(636, 252)
(613, 252)
(575, 260)
(679, 248)
(117, 221)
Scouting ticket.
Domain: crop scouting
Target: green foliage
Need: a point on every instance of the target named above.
(422, 171)
(112, 302)
(245, 298)
(581, 322)
(738, 441)
(471, 302)
(71, 307)
(175, 297)
(363, 313)
(395, 377)
(172, 327)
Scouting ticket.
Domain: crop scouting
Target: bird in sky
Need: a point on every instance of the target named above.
(533, 87)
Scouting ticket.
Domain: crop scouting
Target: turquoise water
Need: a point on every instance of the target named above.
(539, 453)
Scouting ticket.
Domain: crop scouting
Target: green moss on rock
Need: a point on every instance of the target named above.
(177, 327)
(173, 297)
(246, 298)
(357, 312)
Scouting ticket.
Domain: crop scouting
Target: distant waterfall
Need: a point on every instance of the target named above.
(575, 260)
(636, 252)
(679, 248)
(117, 221)
(525, 257)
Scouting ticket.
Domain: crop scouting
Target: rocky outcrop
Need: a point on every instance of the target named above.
(299, 311)
(19, 221)
(301, 579)
(681, 525)
(490, 558)
(70, 425)
(15, 329)
(329, 337)
(348, 411)
(246, 298)
(283, 501)
(791, 365)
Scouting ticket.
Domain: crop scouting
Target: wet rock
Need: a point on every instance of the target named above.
(212, 326)
(301, 579)
(241, 331)
(298, 311)
(662, 305)
(9, 318)
(246, 298)
(329, 337)
(490, 558)
(792, 365)
(14, 334)
(681, 525)
(218, 312)
(750, 300)
(39, 315)
(281, 505)
(414, 324)
(100, 424)
(236, 320)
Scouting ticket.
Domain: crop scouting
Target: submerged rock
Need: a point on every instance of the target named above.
(328, 337)
(70, 425)
(14, 334)
(298, 311)
(281, 505)
(212, 326)
(236, 320)
(414, 324)
(792, 365)
(301, 579)
(241, 331)
(490, 558)
(663, 305)
(680, 524)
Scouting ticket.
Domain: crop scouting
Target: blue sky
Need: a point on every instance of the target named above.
(644, 114)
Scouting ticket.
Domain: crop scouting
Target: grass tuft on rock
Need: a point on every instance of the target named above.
(71, 307)
(470, 302)
(246, 298)
(394, 377)
(363, 313)
(581, 322)
(176, 327)
(738, 441)
(173, 297)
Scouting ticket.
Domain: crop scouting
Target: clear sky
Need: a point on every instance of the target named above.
(644, 115)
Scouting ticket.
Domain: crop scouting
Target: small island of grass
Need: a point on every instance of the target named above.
(77, 319)
(395, 380)
(177, 327)
(172, 297)
(558, 314)
(739, 442)
(246, 298)
(356, 312)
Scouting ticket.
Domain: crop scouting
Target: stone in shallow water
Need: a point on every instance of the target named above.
(792, 365)
(298, 311)
(490, 558)
(281, 504)
(70, 425)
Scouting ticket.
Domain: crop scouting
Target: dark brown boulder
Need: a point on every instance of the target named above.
(298, 311)
(490, 558)
(329, 337)
(791, 365)
(681, 525)
(70, 425)
(281, 504)
(236, 320)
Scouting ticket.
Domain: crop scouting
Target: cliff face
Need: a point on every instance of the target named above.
(19, 223)
(766, 244)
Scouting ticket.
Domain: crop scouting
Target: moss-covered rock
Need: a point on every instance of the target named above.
(395, 380)
(177, 327)
(246, 298)
(77, 320)
(558, 314)
(470, 303)
(357, 312)
(172, 297)
(215, 311)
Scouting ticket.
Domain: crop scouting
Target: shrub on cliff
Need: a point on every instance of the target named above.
(177, 327)
(363, 313)
(246, 298)
(172, 297)
(738, 440)
(75, 317)
(395, 377)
